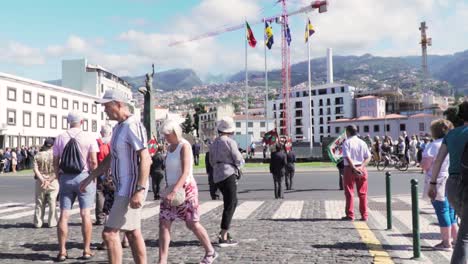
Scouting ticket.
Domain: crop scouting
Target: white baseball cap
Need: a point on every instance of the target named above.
(112, 95)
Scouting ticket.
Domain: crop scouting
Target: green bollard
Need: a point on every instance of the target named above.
(415, 212)
(389, 199)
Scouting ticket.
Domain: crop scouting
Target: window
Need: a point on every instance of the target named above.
(388, 128)
(376, 128)
(328, 111)
(27, 97)
(281, 106)
(328, 129)
(320, 102)
(298, 113)
(85, 125)
(328, 101)
(314, 92)
(40, 99)
(312, 103)
(363, 103)
(26, 118)
(299, 104)
(298, 122)
(322, 91)
(321, 121)
(282, 123)
(262, 124)
(11, 117)
(250, 124)
(85, 107)
(94, 109)
(53, 121)
(402, 127)
(421, 127)
(321, 130)
(333, 90)
(312, 111)
(312, 121)
(94, 125)
(339, 100)
(238, 124)
(40, 120)
(11, 94)
(305, 93)
(339, 110)
(64, 103)
(328, 119)
(321, 111)
(342, 89)
(64, 123)
(371, 103)
(366, 129)
(337, 130)
(53, 101)
(76, 105)
(238, 133)
(298, 94)
(299, 131)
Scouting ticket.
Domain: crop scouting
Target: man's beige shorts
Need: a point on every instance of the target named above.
(122, 216)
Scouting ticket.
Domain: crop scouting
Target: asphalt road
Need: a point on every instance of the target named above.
(312, 185)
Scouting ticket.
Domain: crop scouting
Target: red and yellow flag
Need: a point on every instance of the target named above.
(250, 36)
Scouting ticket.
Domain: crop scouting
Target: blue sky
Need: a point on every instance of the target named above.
(126, 36)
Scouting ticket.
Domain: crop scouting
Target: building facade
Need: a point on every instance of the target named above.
(256, 126)
(370, 106)
(329, 102)
(32, 111)
(208, 121)
(392, 125)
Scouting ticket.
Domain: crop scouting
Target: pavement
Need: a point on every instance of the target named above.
(298, 229)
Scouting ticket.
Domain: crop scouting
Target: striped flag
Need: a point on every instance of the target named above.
(250, 36)
(334, 149)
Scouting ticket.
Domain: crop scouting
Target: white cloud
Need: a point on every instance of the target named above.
(18, 53)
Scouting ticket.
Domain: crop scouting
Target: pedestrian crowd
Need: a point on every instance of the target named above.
(16, 159)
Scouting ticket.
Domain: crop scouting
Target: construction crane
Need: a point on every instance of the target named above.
(281, 19)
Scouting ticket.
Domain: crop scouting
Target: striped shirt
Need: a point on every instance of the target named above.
(128, 137)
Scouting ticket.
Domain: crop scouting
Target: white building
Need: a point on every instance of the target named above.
(329, 102)
(256, 126)
(309, 120)
(163, 114)
(31, 111)
(392, 125)
(208, 121)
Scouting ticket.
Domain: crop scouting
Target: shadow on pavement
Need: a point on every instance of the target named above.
(23, 256)
(301, 220)
(52, 246)
(285, 191)
(155, 243)
(425, 236)
(345, 245)
(17, 225)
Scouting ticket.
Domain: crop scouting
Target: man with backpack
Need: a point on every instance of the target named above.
(453, 145)
(104, 150)
(74, 156)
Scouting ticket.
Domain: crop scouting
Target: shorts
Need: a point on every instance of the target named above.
(122, 216)
(70, 190)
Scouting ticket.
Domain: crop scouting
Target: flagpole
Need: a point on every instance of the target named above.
(246, 92)
(266, 81)
(310, 86)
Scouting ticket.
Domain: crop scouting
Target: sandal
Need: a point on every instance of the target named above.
(87, 255)
(209, 258)
(61, 257)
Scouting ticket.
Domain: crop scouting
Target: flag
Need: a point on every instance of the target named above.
(309, 30)
(268, 35)
(270, 137)
(287, 34)
(250, 36)
(334, 149)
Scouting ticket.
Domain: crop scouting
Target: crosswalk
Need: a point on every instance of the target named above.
(398, 241)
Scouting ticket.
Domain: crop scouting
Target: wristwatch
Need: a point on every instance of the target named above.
(140, 188)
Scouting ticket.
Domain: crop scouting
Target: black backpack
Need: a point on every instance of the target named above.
(464, 166)
(71, 162)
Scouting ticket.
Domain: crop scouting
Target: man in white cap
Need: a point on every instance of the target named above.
(130, 165)
(226, 160)
(74, 156)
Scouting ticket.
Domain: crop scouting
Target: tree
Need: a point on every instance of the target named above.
(187, 126)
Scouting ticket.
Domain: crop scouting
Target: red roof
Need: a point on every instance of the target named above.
(422, 115)
(369, 118)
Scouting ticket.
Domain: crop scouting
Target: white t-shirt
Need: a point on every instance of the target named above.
(356, 149)
(430, 151)
(174, 164)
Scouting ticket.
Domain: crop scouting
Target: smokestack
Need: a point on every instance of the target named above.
(329, 65)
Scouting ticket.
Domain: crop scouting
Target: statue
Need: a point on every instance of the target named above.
(149, 119)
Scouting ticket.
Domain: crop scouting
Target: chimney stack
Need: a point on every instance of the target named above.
(329, 65)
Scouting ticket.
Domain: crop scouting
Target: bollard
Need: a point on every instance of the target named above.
(389, 199)
(415, 213)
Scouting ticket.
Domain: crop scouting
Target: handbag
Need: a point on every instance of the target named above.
(179, 197)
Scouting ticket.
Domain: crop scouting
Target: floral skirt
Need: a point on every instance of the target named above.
(188, 211)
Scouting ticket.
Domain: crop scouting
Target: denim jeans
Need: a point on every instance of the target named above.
(460, 252)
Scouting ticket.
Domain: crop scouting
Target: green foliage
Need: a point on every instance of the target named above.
(187, 126)
(199, 109)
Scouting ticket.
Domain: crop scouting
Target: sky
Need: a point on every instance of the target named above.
(127, 36)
